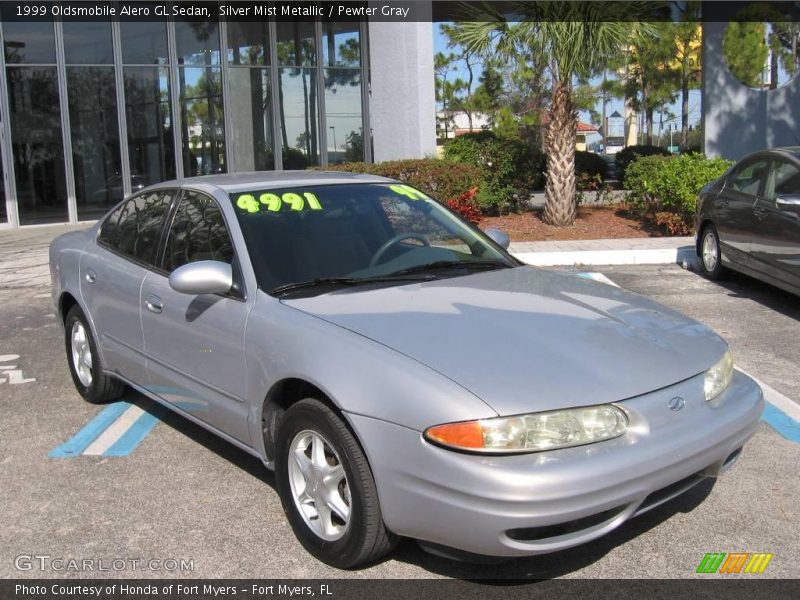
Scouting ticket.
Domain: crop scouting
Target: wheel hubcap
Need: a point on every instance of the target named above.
(81, 354)
(710, 251)
(319, 485)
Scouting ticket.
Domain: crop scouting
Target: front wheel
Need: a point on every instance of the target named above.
(84, 362)
(710, 254)
(326, 488)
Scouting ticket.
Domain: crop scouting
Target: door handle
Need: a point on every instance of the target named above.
(90, 276)
(154, 303)
(722, 202)
(760, 213)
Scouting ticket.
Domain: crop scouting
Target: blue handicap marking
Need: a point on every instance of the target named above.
(125, 440)
(137, 432)
(786, 426)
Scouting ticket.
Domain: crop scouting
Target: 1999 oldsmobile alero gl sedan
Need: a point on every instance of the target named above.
(400, 371)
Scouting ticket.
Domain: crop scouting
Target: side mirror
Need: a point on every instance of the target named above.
(499, 237)
(788, 202)
(202, 277)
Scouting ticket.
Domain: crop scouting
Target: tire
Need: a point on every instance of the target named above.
(711, 254)
(84, 361)
(362, 537)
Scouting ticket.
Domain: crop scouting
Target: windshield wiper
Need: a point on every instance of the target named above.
(452, 264)
(340, 281)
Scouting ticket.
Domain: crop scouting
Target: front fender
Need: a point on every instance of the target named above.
(359, 375)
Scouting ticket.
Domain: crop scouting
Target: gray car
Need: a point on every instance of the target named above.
(397, 368)
(749, 220)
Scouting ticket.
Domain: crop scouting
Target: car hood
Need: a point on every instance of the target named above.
(525, 340)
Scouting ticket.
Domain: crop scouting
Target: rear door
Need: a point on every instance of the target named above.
(776, 239)
(733, 208)
(112, 275)
(195, 343)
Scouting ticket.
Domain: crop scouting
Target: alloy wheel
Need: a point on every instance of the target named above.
(319, 485)
(81, 354)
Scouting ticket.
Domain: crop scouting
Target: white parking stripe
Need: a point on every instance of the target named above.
(777, 399)
(109, 437)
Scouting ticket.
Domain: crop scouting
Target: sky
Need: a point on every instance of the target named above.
(440, 45)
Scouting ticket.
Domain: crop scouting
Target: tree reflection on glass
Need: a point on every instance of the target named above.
(761, 47)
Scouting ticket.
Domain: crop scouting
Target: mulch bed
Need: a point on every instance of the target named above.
(593, 223)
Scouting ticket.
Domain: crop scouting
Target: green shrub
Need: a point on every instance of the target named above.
(512, 168)
(665, 188)
(590, 164)
(441, 179)
(627, 155)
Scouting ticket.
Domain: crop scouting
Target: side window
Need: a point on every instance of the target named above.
(784, 179)
(134, 228)
(747, 179)
(198, 232)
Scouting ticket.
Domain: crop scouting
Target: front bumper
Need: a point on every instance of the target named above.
(544, 502)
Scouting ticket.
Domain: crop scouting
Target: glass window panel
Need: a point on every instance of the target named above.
(197, 43)
(248, 42)
(95, 139)
(298, 117)
(88, 43)
(29, 41)
(198, 232)
(748, 179)
(784, 179)
(144, 42)
(150, 143)
(202, 121)
(3, 213)
(341, 45)
(251, 119)
(37, 147)
(134, 228)
(296, 45)
(343, 115)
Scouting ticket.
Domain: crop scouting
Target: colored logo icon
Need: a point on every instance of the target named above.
(734, 562)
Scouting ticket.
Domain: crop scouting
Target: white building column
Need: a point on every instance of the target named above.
(402, 100)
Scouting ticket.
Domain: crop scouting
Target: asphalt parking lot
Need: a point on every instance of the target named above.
(182, 494)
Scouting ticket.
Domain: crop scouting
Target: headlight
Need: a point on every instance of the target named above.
(718, 377)
(534, 432)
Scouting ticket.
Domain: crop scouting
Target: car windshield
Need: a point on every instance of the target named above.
(321, 237)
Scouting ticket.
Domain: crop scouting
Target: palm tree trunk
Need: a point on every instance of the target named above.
(559, 191)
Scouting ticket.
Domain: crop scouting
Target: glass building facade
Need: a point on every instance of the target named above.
(93, 111)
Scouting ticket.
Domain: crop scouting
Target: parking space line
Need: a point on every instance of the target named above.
(113, 432)
(780, 413)
(137, 432)
(782, 423)
(116, 431)
(81, 440)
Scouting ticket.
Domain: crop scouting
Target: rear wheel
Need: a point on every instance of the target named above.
(326, 487)
(84, 361)
(710, 253)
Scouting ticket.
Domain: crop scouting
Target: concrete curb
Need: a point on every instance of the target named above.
(638, 256)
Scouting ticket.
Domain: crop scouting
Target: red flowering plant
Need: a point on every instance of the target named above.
(463, 206)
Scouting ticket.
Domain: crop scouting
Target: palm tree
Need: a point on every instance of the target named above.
(574, 39)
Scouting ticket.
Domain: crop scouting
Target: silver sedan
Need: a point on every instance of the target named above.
(397, 368)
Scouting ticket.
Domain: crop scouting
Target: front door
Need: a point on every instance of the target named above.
(195, 344)
(776, 239)
(112, 276)
(733, 208)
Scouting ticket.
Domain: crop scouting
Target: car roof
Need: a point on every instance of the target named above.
(791, 150)
(260, 180)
